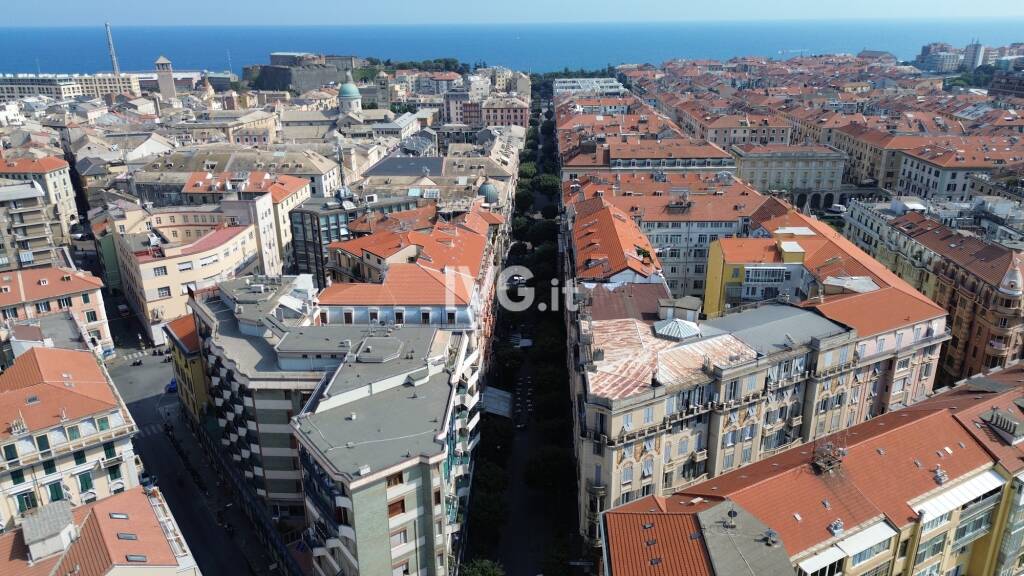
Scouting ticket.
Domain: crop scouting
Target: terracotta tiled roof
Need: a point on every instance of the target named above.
(32, 165)
(421, 218)
(43, 383)
(988, 261)
(678, 552)
(34, 284)
(878, 476)
(750, 250)
(405, 284)
(606, 242)
(184, 330)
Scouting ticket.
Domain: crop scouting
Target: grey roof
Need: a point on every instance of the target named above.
(61, 328)
(406, 166)
(381, 355)
(859, 284)
(19, 189)
(742, 550)
(389, 427)
(46, 522)
(775, 327)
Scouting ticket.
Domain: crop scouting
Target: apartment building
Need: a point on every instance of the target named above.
(29, 240)
(609, 247)
(873, 155)
(189, 370)
(790, 167)
(130, 532)
(931, 489)
(324, 175)
(681, 214)
(386, 447)
(54, 176)
(941, 170)
(70, 434)
(286, 193)
(630, 153)
(505, 110)
(164, 253)
(41, 292)
(725, 130)
(220, 126)
(590, 86)
(66, 86)
(315, 224)
(979, 283)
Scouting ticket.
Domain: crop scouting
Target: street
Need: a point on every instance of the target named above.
(215, 551)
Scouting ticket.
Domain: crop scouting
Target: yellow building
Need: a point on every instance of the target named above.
(189, 368)
(747, 270)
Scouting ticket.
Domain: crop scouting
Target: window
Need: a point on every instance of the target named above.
(49, 467)
(43, 442)
(930, 548)
(184, 266)
(27, 501)
(56, 491)
(85, 482)
(627, 473)
(864, 555)
(79, 456)
(90, 316)
(451, 317)
(160, 271)
(647, 469)
(394, 480)
(10, 313)
(42, 306)
(108, 450)
(73, 433)
(163, 292)
(10, 452)
(401, 570)
(103, 424)
(17, 477)
(399, 317)
(903, 364)
(399, 538)
(648, 415)
(627, 421)
(64, 302)
(396, 508)
(728, 461)
(85, 298)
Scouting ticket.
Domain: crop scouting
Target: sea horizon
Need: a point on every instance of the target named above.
(532, 47)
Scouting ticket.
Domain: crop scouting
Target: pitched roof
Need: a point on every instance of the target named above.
(986, 260)
(34, 284)
(405, 284)
(46, 386)
(877, 478)
(32, 165)
(607, 242)
(183, 330)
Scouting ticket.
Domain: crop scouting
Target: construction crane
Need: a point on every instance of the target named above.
(113, 53)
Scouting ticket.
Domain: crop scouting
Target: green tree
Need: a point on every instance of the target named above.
(543, 231)
(547, 128)
(527, 170)
(482, 567)
(524, 201)
(549, 114)
(548, 185)
(549, 211)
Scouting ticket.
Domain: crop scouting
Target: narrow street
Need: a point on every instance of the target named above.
(142, 387)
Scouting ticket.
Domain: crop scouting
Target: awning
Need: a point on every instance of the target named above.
(959, 495)
(866, 538)
(821, 559)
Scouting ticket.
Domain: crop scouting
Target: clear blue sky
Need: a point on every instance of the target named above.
(302, 12)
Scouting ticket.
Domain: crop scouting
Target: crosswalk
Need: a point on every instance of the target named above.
(149, 430)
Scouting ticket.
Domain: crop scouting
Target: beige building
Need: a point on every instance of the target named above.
(64, 86)
(54, 176)
(69, 437)
(502, 110)
(162, 254)
(789, 167)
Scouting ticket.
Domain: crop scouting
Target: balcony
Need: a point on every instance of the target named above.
(700, 455)
(596, 489)
(795, 421)
(997, 348)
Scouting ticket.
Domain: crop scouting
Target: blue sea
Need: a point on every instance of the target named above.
(531, 47)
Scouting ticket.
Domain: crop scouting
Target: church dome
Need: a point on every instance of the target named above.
(489, 192)
(349, 89)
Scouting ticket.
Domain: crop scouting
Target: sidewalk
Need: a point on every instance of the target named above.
(198, 470)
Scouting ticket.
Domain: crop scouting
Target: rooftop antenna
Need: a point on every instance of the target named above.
(113, 53)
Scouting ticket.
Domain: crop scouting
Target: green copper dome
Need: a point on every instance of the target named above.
(489, 192)
(349, 90)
